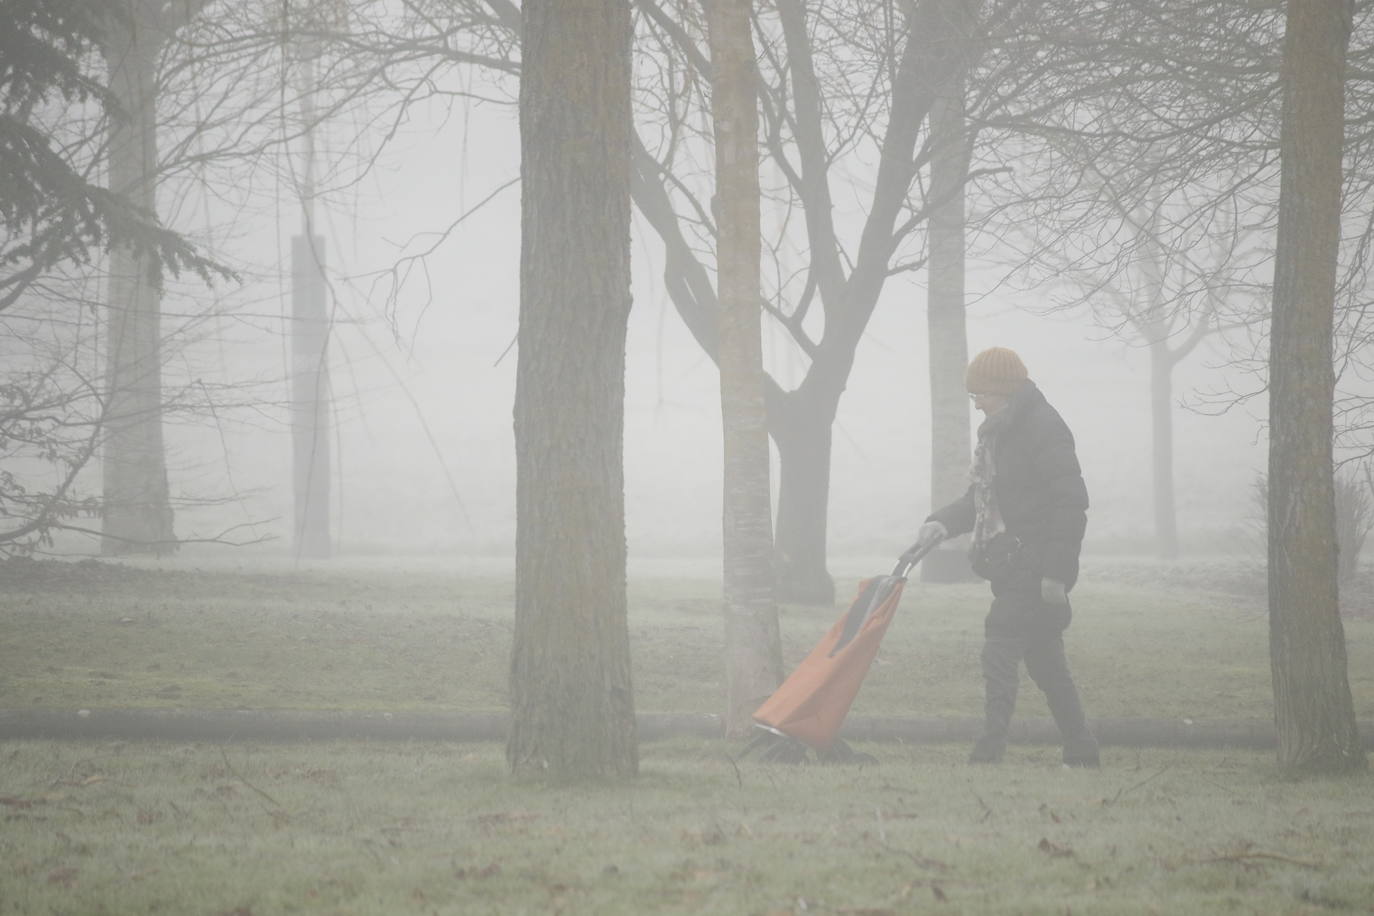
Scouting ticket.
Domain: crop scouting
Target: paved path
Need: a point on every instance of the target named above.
(324, 725)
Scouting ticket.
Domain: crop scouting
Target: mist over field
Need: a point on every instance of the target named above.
(423, 379)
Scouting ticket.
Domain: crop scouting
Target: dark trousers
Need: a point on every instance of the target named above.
(1019, 627)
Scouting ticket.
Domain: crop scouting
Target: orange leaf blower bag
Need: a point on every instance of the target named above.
(812, 703)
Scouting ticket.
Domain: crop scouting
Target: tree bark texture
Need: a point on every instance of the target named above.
(137, 508)
(802, 431)
(572, 708)
(1313, 712)
(951, 442)
(753, 644)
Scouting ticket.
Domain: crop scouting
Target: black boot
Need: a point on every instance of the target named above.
(1082, 751)
(1001, 676)
(988, 749)
(1048, 667)
(840, 752)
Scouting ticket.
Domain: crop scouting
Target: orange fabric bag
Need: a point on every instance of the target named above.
(812, 703)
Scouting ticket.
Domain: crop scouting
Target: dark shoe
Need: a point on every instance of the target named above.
(785, 750)
(840, 752)
(771, 747)
(1082, 755)
(988, 750)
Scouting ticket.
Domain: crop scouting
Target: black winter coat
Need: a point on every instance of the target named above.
(1038, 486)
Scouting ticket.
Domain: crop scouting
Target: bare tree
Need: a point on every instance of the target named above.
(1140, 192)
(752, 642)
(572, 709)
(56, 221)
(136, 503)
(1313, 709)
(813, 116)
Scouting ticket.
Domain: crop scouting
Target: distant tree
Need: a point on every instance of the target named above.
(572, 709)
(1138, 189)
(136, 504)
(1313, 709)
(54, 104)
(57, 221)
(752, 641)
(49, 430)
(1168, 294)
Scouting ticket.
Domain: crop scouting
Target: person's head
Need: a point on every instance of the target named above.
(992, 377)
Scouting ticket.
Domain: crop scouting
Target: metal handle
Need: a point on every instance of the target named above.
(912, 557)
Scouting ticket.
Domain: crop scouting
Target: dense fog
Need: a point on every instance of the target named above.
(423, 368)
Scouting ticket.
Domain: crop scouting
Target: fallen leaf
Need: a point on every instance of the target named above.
(505, 817)
(63, 876)
(1053, 851)
(486, 871)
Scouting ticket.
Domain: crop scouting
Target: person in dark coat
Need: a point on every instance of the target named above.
(1027, 509)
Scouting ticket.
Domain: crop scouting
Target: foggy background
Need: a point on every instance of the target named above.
(423, 368)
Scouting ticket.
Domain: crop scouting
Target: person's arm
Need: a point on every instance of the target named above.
(957, 517)
(1066, 508)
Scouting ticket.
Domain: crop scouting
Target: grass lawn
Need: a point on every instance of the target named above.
(380, 828)
(108, 827)
(1148, 641)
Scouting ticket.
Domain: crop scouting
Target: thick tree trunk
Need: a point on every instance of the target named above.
(572, 709)
(1162, 448)
(753, 645)
(950, 438)
(137, 509)
(1313, 712)
(802, 431)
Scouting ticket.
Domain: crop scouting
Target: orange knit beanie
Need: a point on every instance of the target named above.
(997, 370)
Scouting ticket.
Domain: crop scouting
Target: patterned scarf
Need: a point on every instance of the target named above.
(987, 522)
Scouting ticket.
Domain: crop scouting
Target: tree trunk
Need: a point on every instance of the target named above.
(137, 509)
(572, 708)
(1313, 712)
(311, 395)
(753, 644)
(801, 429)
(1155, 325)
(950, 439)
(1162, 447)
(310, 399)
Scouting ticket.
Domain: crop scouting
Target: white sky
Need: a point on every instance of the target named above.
(447, 371)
